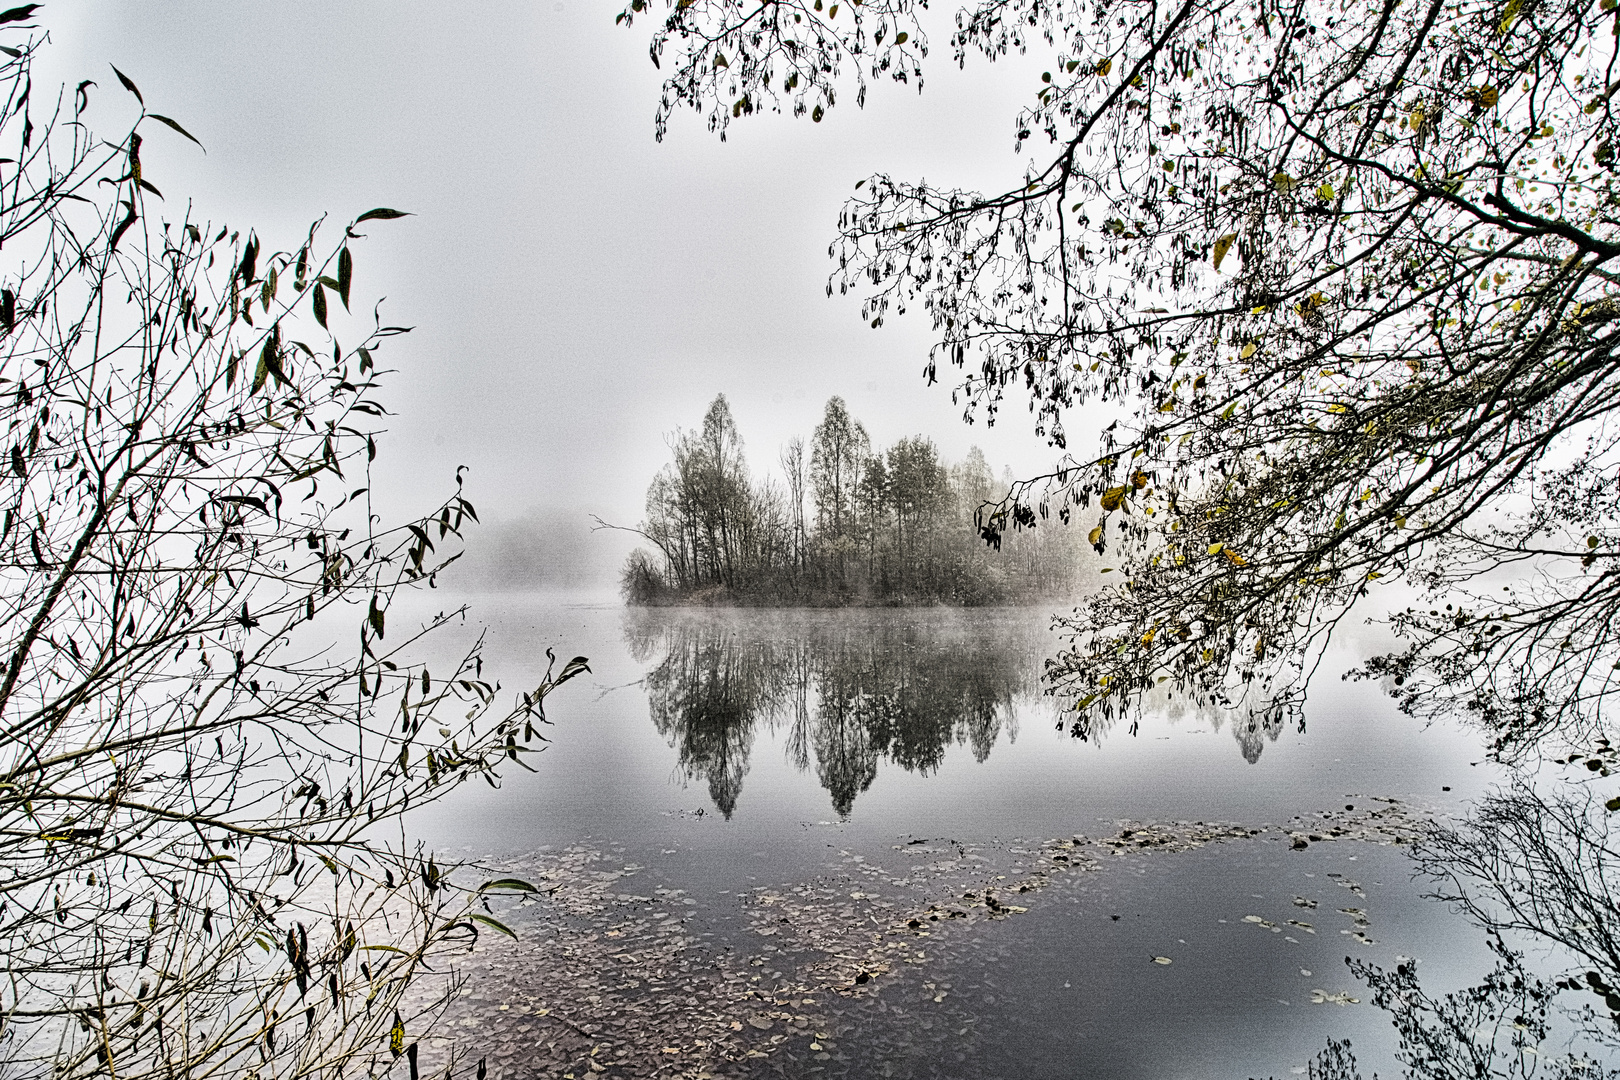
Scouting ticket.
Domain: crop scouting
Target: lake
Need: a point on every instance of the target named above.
(862, 842)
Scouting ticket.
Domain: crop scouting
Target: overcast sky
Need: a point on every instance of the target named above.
(578, 289)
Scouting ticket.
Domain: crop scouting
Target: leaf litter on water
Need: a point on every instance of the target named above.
(605, 980)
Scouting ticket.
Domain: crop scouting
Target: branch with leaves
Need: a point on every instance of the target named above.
(1342, 272)
(209, 725)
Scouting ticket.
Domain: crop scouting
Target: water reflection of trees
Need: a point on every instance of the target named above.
(852, 690)
(1529, 866)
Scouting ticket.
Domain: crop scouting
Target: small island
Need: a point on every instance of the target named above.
(846, 524)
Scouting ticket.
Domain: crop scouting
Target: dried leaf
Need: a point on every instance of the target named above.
(381, 213)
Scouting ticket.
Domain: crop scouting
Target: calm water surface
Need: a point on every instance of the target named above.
(723, 753)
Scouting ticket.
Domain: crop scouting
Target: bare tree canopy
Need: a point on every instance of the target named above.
(1342, 270)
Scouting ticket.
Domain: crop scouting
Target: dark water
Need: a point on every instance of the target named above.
(723, 754)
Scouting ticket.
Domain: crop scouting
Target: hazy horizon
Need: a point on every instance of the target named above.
(578, 289)
(575, 549)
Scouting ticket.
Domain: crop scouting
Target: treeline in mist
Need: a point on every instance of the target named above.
(847, 523)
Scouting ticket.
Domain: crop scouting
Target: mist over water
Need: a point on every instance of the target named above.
(721, 756)
(926, 718)
(547, 551)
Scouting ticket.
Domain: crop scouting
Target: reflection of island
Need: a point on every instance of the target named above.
(853, 689)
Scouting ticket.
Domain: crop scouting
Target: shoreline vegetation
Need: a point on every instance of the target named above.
(847, 524)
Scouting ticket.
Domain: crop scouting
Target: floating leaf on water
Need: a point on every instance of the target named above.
(1161, 960)
(583, 981)
(1322, 997)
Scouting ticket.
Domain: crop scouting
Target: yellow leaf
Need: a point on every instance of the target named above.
(1112, 498)
(1169, 406)
(1234, 557)
(1325, 193)
(1509, 13)
(396, 1037)
(1248, 351)
(1283, 182)
(1222, 246)
(1147, 638)
(1094, 535)
(1106, 65)
(1216, 549)
(1487, 96)
(1337, 408)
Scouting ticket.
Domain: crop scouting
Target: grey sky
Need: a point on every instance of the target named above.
(579, 290)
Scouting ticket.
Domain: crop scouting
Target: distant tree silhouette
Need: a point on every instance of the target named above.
(889, 526)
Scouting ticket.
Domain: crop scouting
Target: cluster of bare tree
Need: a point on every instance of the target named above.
(894, 525)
